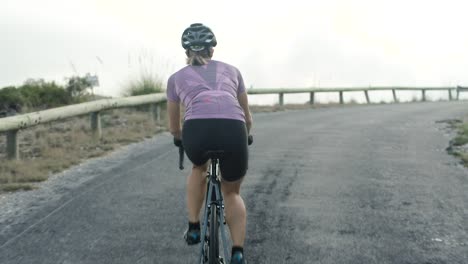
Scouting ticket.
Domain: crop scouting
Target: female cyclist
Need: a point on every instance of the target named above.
(217, 117)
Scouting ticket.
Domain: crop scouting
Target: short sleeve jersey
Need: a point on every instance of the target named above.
(208, 91)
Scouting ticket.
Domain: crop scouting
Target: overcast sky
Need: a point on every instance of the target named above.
(294, 43)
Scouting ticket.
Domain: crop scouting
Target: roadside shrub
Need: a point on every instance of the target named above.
(462, 137)
(145, 84)
(10, 96)
(39, 94)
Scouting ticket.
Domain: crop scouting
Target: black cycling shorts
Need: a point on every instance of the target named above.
(229, 135)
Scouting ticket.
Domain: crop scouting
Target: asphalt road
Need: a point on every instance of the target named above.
(363, 184)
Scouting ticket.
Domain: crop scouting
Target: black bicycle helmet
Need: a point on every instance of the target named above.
(197, 37)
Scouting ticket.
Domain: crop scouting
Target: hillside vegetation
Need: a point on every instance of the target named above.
(53, 147)
(37, 94)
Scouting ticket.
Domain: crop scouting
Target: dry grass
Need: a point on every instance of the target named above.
(462, 141)
(12, 187)
(50, 148)
(459, 145)
(462, 137)
(464, 157)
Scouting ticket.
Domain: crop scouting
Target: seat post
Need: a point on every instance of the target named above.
(212, 179)
(214, 163)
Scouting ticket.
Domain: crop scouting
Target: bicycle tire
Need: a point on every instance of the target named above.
(214, 236)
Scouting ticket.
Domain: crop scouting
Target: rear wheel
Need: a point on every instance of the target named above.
(214, 241)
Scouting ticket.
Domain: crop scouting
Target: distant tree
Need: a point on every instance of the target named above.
(78, 86)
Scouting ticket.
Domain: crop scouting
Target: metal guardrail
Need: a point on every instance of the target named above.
(341, 91)
(461, 89)
(11, 125)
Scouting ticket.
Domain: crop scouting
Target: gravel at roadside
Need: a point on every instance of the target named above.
(16, 207)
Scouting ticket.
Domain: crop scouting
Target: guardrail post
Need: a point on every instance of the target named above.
(96, 125)
(312, 98)
(424, 95)
(341, 97)
(281, 98)
(366, 92)
(12, 145)
(458, 92)
(395, 99)
(156, 112)
(450, 94)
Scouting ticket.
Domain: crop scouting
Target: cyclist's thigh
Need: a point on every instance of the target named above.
(196, 139)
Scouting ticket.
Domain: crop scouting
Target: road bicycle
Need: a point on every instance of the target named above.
(214, 223)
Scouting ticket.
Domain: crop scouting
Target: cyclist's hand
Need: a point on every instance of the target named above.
(177, 142)
(250, 140)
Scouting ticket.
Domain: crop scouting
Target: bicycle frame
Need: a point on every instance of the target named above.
(213, 198)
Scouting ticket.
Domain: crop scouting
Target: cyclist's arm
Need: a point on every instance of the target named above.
(244, 103)
(173, 110)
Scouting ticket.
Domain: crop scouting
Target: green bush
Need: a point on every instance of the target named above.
(54, 96)
(35, 95)
(10, 96)
(39, 94)
(462, 137)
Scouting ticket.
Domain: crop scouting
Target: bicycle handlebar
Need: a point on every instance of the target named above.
(250, 140)
(181, 157)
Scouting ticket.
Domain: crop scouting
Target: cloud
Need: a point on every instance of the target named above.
(288, 44)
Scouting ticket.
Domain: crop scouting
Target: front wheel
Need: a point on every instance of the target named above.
(214, 241)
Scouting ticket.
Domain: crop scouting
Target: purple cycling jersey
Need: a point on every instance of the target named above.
(208, 91)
